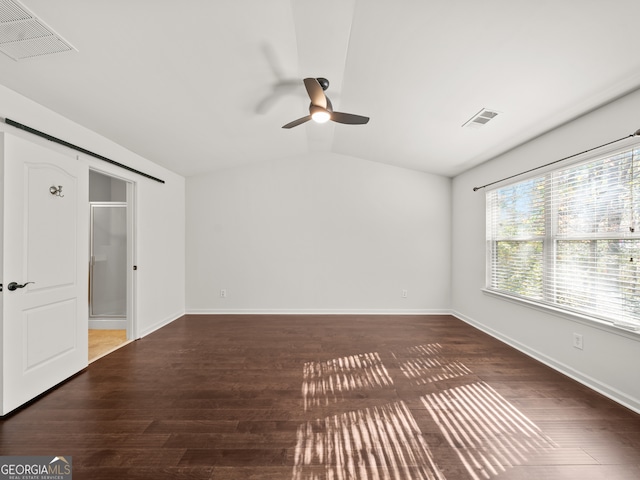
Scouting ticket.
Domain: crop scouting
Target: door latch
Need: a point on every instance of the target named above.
(14, 286)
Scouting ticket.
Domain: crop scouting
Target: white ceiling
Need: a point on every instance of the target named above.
(198, 85)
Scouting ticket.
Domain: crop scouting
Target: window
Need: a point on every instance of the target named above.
(569, 239)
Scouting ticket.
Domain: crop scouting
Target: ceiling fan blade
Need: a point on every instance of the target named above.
(297, 122)
(315, 91)
(349, 118)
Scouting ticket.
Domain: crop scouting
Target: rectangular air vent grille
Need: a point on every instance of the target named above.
(481, 118)
(23, 35)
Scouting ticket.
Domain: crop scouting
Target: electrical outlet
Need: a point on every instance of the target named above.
(404, 294)
(223, 293)
(577, 341)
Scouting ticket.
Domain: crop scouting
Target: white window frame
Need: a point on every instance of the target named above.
(550, 241)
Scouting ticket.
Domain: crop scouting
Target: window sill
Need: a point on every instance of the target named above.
(568, 315)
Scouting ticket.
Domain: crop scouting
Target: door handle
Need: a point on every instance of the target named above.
(14, 286)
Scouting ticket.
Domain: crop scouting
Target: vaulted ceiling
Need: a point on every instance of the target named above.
(199, 85)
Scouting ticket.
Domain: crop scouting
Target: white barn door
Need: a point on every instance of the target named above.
(44, 269)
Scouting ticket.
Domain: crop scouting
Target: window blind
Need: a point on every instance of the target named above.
(569, 238)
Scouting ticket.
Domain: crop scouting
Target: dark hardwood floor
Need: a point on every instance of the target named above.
(326, 397)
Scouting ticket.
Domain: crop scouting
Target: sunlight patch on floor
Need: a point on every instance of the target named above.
(377, 443)
(425, 364)
(487, 433)
(326, 382)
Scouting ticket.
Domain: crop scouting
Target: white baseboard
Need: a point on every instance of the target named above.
(241, 311)
(600, 387)
(158, 325)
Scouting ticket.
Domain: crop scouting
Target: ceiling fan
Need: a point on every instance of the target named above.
(321, 109)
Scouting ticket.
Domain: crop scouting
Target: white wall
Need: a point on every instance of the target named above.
(322, 233)
(159, 207)
(608, 360)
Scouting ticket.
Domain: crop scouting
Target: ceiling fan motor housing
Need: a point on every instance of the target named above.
(324, 83)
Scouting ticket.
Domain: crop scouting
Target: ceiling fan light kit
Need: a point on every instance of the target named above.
(319, 114)
(321, 110)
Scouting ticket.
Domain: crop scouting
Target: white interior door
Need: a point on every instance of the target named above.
(45, 241)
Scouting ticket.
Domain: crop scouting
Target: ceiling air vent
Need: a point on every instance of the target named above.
(481, 118)
(23, 35)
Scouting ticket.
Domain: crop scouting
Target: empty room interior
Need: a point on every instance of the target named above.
(320, 240)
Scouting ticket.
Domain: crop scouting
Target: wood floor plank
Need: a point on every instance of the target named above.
(326, 396)
(144, 473)
(102, 342)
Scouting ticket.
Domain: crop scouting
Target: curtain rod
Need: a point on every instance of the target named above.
(79, 149)
(634, 134)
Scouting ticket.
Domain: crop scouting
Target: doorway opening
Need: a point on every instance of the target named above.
(110, 264)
